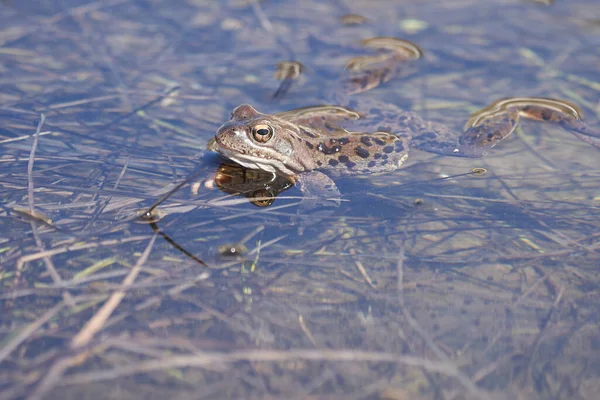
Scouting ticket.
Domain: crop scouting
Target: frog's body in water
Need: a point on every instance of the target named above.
(310, 145)
(280, 144)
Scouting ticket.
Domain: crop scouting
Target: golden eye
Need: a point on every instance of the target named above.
(262, 133)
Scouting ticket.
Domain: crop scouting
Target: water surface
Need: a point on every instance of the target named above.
(429, 282)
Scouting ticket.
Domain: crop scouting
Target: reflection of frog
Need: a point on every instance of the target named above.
(306, 144)
(260, 187)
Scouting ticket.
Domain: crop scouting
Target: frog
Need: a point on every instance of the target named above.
(313, 146)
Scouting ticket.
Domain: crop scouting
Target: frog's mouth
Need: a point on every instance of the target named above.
(249, 161)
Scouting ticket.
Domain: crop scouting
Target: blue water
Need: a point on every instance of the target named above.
(499, 271)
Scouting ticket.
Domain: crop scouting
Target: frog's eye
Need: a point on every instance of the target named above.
(262, 133)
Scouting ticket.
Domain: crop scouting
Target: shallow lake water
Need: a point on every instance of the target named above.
(434, 281)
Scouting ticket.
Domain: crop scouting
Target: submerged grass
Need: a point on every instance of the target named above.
(432, 282)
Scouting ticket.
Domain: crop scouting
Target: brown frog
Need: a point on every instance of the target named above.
(314, 144)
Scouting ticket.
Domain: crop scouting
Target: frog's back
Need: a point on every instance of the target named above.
(356, 153)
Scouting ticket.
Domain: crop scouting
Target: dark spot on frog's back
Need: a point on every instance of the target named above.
(371, 164)
(307, 133)
(388, 149)
(309, 144)
(366, 141)
(333, 162)
(343, 141)
(379, 142)
(399, 146)
(346, 161)
(329, 150)
(363, 153)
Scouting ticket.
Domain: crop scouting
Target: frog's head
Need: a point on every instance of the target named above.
(259, 141)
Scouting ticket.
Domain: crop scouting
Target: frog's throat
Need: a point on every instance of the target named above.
(248, 161)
